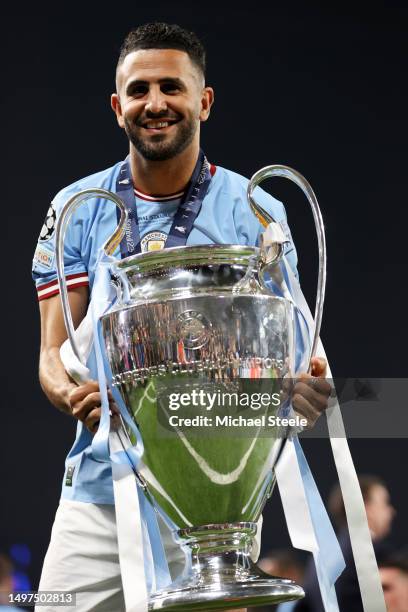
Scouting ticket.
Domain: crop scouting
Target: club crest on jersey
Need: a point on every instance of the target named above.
(48, 229)
(153, 241)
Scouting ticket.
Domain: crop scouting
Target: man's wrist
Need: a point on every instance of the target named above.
(59, 395)
(66, 392)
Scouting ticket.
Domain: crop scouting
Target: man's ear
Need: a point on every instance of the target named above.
(207, 100)
(117, 109)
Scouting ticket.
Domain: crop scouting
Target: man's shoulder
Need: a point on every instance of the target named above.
(104, 179)
(230, 180)
(236, 185)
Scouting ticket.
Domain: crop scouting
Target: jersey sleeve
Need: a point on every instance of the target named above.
(44, 270)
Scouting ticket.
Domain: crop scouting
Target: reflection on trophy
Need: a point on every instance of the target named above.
(204, 322)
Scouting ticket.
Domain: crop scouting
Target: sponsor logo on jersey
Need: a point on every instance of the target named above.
(48, 229)
(153, 241)
(43, 256)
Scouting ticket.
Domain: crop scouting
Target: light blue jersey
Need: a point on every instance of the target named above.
(225, 218)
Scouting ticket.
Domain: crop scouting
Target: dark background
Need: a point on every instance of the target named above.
(320, 88)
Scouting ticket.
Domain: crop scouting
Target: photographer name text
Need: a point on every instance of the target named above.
(237, 421)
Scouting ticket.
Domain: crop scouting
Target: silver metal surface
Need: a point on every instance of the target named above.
(265, 218)
(199, 319)
(222, 575)
(109, 247)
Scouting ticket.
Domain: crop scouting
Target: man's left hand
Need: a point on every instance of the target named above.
(311, 392)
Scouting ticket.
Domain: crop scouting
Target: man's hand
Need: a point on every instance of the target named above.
(85, 404)
(310, 396)
(84, 401)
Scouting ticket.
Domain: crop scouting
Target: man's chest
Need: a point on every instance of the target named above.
(214, 224)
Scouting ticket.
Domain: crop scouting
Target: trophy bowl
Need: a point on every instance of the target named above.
(193, 332)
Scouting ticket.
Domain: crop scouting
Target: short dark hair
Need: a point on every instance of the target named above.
(397, 560)
(158, 35)
(336, 503)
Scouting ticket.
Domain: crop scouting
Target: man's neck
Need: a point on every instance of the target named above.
(163, 177)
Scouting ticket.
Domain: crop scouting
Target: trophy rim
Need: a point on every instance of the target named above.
(187, 255)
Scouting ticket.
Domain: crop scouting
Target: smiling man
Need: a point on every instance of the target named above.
(161, 97)
(174, 197)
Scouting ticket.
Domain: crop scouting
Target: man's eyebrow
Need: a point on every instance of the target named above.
(141, 82)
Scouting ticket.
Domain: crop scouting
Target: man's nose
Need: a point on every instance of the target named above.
(156, 101)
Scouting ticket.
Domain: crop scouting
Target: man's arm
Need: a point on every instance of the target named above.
(83, 401)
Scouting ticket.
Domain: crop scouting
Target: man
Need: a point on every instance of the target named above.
(6, 585)
(394, 580)
(160, 101)
(380, 514)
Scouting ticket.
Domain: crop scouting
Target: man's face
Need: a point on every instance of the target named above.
(395, 587)
(160, 102)
(379, 511)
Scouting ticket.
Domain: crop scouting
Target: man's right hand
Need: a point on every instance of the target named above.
(85, 403)
(81, 401)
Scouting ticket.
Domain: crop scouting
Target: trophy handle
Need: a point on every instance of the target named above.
(109, 247)
(265, 219)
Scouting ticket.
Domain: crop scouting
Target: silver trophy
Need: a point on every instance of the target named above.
(205, 321)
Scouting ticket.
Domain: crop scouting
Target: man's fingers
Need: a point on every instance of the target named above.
(84, 398)
(311, 395)
(79, 393)
(318, 366)
(320, 385)
(305, 409)
(92, 420)
(93, 400)
(81, 409)
(312, 391)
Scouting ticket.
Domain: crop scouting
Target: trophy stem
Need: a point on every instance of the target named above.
(215, 548)
(220, 574)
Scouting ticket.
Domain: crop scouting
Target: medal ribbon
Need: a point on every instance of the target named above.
(186, 213)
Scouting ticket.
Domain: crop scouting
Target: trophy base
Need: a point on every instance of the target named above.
(255, 591)
(220, 574)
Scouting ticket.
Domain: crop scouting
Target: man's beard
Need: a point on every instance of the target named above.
(165, 149)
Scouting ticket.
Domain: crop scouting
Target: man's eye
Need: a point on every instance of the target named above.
(138, 91)
(169, 88)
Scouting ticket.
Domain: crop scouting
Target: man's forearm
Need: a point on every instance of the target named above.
(54, 380)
